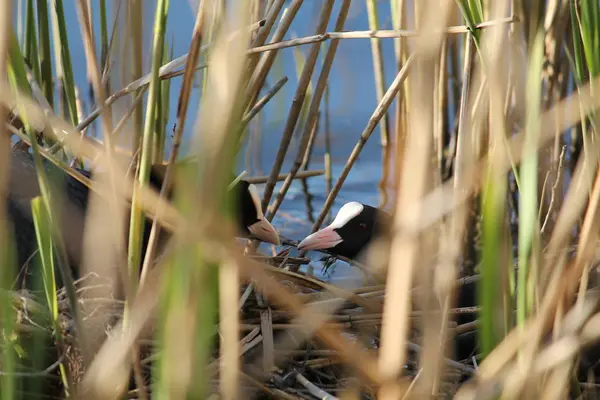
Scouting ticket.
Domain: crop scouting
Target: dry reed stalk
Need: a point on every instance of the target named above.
(302, 327)
(259, 74)
(263, 33)
(380, 110)
(263, 101)
(113, 247)
(432, 323)
(229, 327)
(570, 211)
(266, 329)
(107, 375)
(313, 111)
(327, 155)
(379, 75)
(452, 239)
(442, 200)
(381, 34)
(441, 106)
(588, 239)
(405, 243)
(295, 108)
(349, 352)
(282, 177)
(400, 116)
(166, 71)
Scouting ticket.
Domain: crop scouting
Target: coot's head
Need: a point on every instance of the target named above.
(350, 232)
(250, 216)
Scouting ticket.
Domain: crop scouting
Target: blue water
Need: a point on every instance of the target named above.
(352, 100)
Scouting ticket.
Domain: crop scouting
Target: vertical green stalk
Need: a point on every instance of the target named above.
(17, 74)
(61, 44)
(43, 231)
(472, 12)
(7, 317)
(586, 33)
(493, 195)
(137, 216)
(103, 33)
(590, 34)
(7, 262)
(18, 79)
(31, 50)
(45, 56)
(135, 18)
(528, 201)
(579, 66)
(162, 113)
(41, 221)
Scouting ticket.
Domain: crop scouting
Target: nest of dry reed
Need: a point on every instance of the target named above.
(279, 358)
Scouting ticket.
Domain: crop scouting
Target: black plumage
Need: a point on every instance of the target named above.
(71, 201)
(350, 234)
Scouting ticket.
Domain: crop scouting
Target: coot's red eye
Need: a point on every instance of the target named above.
(362, 225)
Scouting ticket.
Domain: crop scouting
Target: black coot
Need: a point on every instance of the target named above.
(73, 201)
(352, 230)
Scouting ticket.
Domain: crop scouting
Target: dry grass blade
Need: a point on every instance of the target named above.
(405, 245)
(349, 351)
(297, 103)
(379, 34)
(373, 121)
(259, 74)
(263, 101)
(111, 363)
(282, 177)
(560, 117)
(230, 350)
(166, 71)
(562, 277)
(106, 234)
(313, 112)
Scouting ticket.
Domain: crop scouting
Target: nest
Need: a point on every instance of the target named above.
(279, 357)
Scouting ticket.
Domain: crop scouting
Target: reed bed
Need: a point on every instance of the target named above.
(489, 160)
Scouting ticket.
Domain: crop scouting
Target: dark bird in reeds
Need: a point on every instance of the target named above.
(72, 204)
(355, 228)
